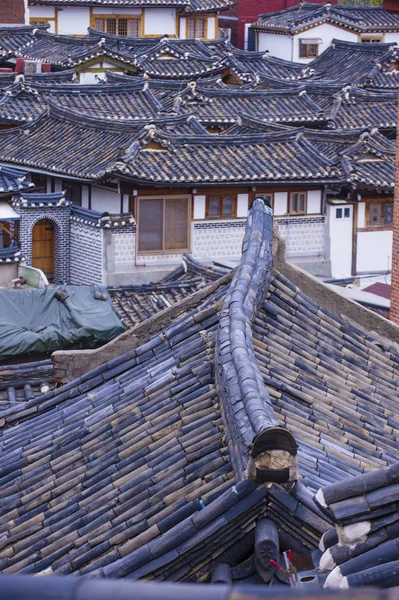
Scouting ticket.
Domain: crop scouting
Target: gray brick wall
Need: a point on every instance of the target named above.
(86, 254)
(60, 216)
(304, 236)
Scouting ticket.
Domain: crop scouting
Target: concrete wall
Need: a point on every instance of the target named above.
(8, 272)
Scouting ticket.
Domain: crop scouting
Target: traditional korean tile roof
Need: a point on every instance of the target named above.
(356, 108)
(136, 303)
(104, 143)
(38, 200)
(13, 37)
(364, 19)
(349, 62)
(12, 254)
(190, 5)
(224, 105)
(101, 220)
(54, 78)
(246, 65)
(363, 547)
(154, 465)
(20, 383)
(13, 180)
(20, 103)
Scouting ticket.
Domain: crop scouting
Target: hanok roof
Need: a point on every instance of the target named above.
(364, 19)
(20, 383)
(350, 62)
(247, 64)
(136, 303)
(190, 5)
(38, 200)
(12, 254)
(153, 465)
(13, 37)
(101, 220)
(53, 78)
(13, 180)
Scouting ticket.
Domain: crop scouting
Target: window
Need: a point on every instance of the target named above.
(117, 25)
(308, 49)
(196, 27)
(40, 182)
(221, 206)
(380, 214)
(371, 39)
(73, 192)
(297, 203)
(163, 225)
(342, 213)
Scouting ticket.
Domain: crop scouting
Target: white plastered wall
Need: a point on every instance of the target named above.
(182, 27)
(392, 37)
(314, 202)
(73, 20)
(199, 207)
(374, 251)
(104, 200)
(278, 45)
(160, 21)
(43, 12)
(326, 33)
(280, 203)
(242, 205)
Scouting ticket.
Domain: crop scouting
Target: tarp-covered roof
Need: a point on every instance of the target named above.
(36, 321)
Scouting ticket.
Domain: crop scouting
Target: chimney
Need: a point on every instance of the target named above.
(13, 11)
(391, 5)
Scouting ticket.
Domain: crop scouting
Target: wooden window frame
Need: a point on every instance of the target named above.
(94, 17)
(38, 187)
(163, 251)
(307, 53)
(369, 227)
(195, 19)
(304, 212)
(220, 216)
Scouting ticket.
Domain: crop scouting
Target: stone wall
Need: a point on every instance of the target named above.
(124, 244)
(217, 238)
(304, 236)
(60, 216)
(86, 254)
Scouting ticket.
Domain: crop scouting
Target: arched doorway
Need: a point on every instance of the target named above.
(43, 247)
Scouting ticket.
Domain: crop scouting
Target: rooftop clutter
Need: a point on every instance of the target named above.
(174, 462)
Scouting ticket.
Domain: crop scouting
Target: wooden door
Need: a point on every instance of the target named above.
(43, 247)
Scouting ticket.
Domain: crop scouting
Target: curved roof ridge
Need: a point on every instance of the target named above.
(252, 428)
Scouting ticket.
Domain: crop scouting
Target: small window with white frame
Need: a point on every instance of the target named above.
(343, 212)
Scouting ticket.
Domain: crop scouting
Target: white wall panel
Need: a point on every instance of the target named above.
(280, 203)
(199, 207)
(159, 21)
(314, 202)
(73, 20)
(242, 205)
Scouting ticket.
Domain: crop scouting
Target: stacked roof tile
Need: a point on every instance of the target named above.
(159, 464)
(364, 19)
(13, 180)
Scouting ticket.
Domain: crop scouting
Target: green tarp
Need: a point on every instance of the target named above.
(35, 321)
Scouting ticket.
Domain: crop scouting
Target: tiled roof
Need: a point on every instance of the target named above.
(58, 77)
(155, 464)
(101, 220)
(307, 15)
(11, 254)
(36, 200)
(13, 37)
(191, 5)
(13, 180)
(247, 64)
(20, 383)
(379, 289)
(224, 105)
(349, 62)
(136, 303)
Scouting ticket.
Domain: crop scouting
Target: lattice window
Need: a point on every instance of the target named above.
(163, 224)
(297, 203)
(221, 206)
(197, 27)
(119, 25)
(380, 214)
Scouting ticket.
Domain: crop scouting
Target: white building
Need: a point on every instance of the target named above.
(303, 32)
(132, 18)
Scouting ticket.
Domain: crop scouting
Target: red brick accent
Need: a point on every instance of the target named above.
(12, 11)
(391, 4)
(394, 314)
